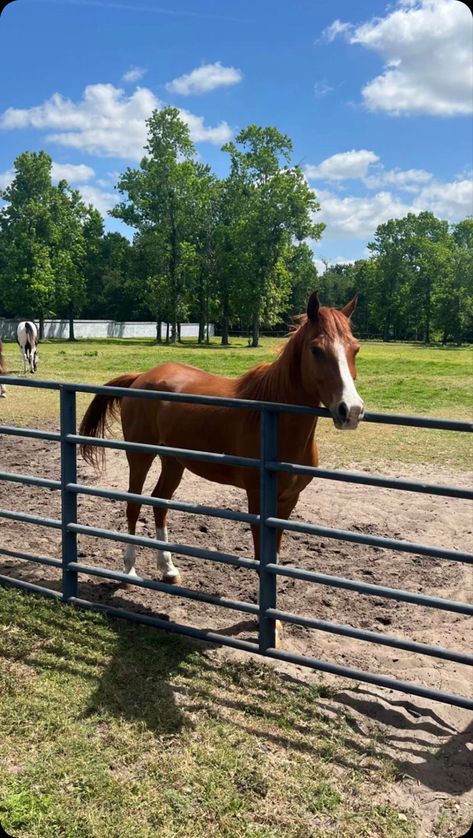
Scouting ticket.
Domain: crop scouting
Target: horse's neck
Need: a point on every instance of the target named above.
(278, 381)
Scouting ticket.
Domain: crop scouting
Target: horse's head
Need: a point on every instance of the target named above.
(328, 365)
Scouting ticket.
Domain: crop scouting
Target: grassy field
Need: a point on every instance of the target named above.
(112, 730)
(395, 378)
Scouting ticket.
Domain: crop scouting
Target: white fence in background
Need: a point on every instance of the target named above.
(101, 329)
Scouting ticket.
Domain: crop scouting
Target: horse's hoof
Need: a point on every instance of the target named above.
(3, 395)
(172, 577)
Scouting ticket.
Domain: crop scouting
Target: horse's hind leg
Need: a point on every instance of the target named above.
(169, 479)
(139, 465)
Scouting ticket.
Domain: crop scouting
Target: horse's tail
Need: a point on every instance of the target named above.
(30, 338)
(96, 419)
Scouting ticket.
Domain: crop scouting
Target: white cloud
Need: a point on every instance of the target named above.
(321, 88)
(427, 49)
(105, 122)
(74, 173)
(357, 217)
(336, 28)
(6, 178)
(103, 201)
(452, 201)
(347, 164)
(205, 78)
(134, 74)
(409, 180)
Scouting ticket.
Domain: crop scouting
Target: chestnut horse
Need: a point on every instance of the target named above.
(316, 365)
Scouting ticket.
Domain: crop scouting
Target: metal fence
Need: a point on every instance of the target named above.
(268, 568)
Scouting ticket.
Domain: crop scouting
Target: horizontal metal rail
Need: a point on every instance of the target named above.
(30, 587)
(371, 636)
(179, 506)
(29, 557)
(164, 451)
(373, 480)
(154, 543)
(249, 404)
(26, 518)
(372, 540)
(174, 590)
(30, 433)
(30, 480)
(368, 678)
(371, 590)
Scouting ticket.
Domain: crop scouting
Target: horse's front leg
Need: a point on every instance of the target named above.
(169, 479)
(139, 465)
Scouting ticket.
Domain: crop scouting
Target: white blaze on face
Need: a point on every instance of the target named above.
(348, 406)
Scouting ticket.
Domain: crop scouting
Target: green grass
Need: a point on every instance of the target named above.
(111, 729)
(392, 378)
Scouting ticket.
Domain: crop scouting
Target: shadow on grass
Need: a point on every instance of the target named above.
(162, 680)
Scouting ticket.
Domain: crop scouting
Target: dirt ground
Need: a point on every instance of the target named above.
(431, 742)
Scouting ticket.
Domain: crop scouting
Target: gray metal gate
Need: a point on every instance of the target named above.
(268, 522)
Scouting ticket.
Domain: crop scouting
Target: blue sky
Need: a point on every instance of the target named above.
(377, 98)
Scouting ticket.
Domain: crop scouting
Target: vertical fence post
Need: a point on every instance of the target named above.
(268, 535)
(68, 499)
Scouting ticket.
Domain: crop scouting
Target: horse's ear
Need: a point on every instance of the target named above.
(313, 306)
(350, 307)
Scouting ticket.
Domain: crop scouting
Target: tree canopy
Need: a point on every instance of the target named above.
(237, 250)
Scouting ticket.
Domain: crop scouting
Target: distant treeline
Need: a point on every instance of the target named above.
(232, 251)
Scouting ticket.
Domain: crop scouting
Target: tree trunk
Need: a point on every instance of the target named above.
(167, 332)
(71, 325)
(206, 320)
(158, 331)
(255, 331)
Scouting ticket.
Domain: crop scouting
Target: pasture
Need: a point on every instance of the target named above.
(395, 378)
(114, 729)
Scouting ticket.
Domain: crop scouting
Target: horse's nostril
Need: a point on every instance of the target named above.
(343, 411)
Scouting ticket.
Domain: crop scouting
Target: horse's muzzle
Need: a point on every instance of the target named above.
(346, 417)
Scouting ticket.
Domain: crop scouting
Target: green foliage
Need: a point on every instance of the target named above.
(42, 242)
(236, 251)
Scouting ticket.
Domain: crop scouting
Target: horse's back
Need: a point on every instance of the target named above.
(183, 378)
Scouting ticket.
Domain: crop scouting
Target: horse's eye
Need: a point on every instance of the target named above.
(318, 353)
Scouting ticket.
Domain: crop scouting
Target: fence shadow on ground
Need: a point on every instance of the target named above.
(161, 680)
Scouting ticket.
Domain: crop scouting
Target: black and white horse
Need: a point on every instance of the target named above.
(27, 339)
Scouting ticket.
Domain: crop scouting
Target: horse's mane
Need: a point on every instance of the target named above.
(280, 380)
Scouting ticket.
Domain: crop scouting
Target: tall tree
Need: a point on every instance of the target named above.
(278, 206)
(160, 197)
(41, 228)
(27, 279)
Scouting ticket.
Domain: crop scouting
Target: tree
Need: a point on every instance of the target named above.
(41, 228)
(160, 198)
(27, 279)
(276, 206)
